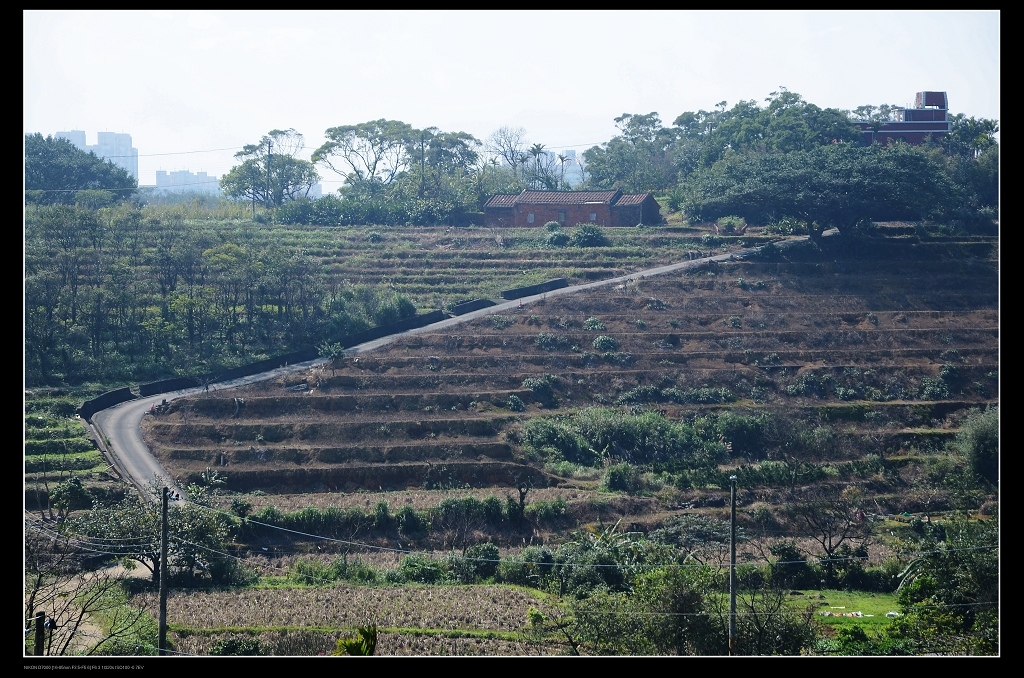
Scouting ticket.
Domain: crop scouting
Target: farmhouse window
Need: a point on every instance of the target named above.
(561, 217)
(529, 218)
(593, 217)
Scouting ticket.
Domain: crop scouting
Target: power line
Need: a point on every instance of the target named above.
(97, 545)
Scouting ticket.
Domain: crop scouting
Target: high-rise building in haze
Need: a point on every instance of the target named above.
(184, 181)
(110, 146)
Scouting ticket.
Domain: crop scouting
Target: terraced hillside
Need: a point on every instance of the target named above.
(437, 266)
(862, 359)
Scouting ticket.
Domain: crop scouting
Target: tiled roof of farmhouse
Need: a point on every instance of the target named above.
(632, 199)
(502, 200)
(567, 197)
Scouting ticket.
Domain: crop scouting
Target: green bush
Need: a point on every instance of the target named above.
(454, 512)
(933, 389)
(239, 646)
(311, 572)
(557, 439)
(605, 343)
(978, 442)
(382, 518)
(270, 515)
(516, 404)
(59, 447)
(558, 239)
(241, 506)
(484, 559)
(494, 511)
(786, 226)
(409, 521)
(354, 570)
(640, 396)
(550, 342)
(542, 387)
(593, 325)
(552, 226)
(620, 478)
(698, 396)
(298, 211)
(540, 384)
(420, 569)
(532, 567)
(731, 225)
(547, 511)
(790, 569)
(500, 322)
(588, 235)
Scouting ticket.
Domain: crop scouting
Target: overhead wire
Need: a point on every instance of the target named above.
(229, 148)
(631, 613)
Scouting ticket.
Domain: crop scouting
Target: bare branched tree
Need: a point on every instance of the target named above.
(71, 597)
(510, 144)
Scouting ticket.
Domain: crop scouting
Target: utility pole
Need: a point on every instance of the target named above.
(162, 640)
(270, 143)
(40, 638)
(732, 568)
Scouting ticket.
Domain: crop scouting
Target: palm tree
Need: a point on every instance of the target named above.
(536, 151)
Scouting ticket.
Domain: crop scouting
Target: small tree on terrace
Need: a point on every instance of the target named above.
(978, 442)
(833, 519)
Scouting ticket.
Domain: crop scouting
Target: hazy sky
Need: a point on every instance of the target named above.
(192, 87)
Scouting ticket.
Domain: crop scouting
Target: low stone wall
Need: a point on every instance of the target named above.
(470, 306)
(529, 290)
(102, 402)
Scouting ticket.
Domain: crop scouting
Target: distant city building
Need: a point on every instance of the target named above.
(184, 181)
(111, 146)
(572, 169)
(568, 173)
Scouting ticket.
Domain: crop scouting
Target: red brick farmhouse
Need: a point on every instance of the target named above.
(569, 208)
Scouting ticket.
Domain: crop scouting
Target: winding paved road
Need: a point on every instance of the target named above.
(118, 427)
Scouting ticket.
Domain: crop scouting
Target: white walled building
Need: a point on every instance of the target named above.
(184, 181)
(570, 172)
(111, 146)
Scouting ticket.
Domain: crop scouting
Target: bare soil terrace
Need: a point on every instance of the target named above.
(849, 338)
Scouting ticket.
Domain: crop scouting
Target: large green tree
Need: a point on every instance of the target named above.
(58, 172)
(949, 594)
(373, 152)
(639, 158)
(271, 173)
(969, 136)
(197, 537)
(787, 123)
(835, 185)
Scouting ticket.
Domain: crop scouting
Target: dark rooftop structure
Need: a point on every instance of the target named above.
(928, 118)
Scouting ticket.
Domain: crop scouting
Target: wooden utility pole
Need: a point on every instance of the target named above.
(270, 143)
(732, 568)
(162, 641)
(40, 634)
